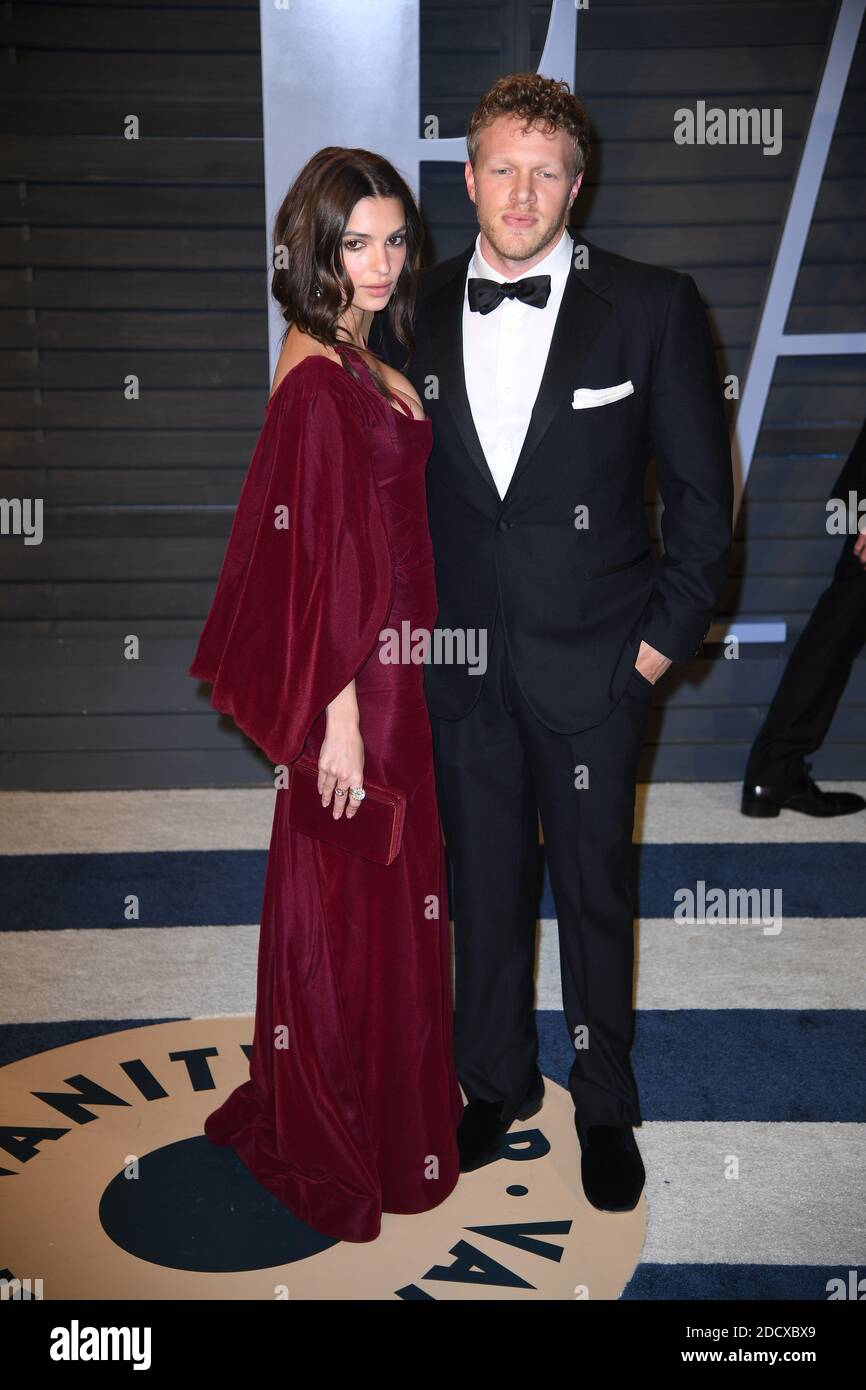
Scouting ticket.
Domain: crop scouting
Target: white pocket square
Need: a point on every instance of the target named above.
(586, 396)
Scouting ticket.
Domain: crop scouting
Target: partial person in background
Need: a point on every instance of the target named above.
(812, 684)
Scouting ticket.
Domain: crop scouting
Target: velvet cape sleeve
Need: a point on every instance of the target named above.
(306, 581)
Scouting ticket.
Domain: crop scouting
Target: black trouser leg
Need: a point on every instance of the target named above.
(585, 785)
(490, 822)
(814, 678)
(495, 767)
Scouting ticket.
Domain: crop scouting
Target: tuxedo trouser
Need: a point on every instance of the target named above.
(814, 678)
(497, 768)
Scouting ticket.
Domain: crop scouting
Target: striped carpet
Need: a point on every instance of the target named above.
(750, 1035)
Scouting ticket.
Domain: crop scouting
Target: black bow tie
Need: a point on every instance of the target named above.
(484, 295)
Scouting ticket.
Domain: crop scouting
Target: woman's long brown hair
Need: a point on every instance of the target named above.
(307, 249)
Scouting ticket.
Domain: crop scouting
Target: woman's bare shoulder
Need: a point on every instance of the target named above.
(297, 348)
(318, 379)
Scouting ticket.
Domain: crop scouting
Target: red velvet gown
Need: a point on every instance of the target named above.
(358, 1113)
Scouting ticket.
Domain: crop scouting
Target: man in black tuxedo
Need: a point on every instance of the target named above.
(777, 774)
(551, 378)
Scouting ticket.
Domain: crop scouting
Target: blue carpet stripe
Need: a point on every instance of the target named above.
(690, 1065)
(754, 1283)
(53, 892)
(735, 1064)
(20, 1040)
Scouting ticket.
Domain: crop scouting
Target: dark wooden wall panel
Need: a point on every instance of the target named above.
(146, 257)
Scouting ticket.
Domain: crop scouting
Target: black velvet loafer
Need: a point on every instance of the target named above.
(611, 1168)
(483, 1127)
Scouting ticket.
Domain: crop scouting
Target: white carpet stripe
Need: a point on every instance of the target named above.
(135, 822)
(141, 972)
(697, 812)
(240, 818)
(813, 963)
(798, 1199)
(201, 971)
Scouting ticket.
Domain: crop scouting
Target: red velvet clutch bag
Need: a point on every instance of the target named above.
(376, 829)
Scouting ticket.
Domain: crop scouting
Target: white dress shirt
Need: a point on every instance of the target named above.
(504, 355)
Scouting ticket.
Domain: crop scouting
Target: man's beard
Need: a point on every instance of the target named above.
(522, 250)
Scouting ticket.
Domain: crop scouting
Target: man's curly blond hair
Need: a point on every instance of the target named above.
(537, 101)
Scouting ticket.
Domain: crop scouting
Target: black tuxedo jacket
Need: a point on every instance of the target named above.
(577, 599)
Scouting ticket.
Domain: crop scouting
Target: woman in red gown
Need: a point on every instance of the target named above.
(352, 1103)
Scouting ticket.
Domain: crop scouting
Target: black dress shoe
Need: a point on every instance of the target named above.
(482, 1128)
(611, 1168)
(761, 799)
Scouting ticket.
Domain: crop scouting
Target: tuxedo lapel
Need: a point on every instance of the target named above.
(582, 313)
(445, 319)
